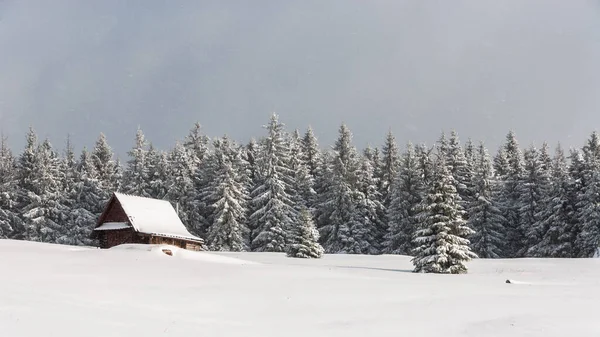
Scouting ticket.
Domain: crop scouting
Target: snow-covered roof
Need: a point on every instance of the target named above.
(112, 225)
(154, 216)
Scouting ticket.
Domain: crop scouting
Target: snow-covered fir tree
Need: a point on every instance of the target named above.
(273, 211)
(200, 215)
(424, 157)
(10, 223)
(441, 239)
(485, 217)
(39, 191)
(250, 154)
(227, 198)
(303, 181)
(470, 153)
(546, 162)
(68, 193)
(510, 195)
(323, 184)
(374, 157)
(390, 162)
(557, 223)
(118, 174)
(135, 176)
(303, 241)
(577, 172)
(108, 172)
(406, 194)
(157, 167)
(459, 168)
(533, 190)
(501, 165)
(442, 145)
(311, 153)
(85, 202)
(338, 209)
(196, 143)
(367, 230)
(588, 239)
(181, 191)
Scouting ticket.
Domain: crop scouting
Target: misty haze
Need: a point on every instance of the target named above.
(417, 67)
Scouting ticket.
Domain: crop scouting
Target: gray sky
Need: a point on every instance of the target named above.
(481, 66)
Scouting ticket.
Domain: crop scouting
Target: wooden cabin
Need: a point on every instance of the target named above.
(132, 219)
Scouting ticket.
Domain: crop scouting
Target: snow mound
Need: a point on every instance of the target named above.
(176, 252)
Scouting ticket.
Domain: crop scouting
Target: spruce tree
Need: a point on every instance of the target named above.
(85, 201)
(510, 195)
(501, 165)
(10, 224)
(338, 208)
(107, 170)
(39, 191)
(406, 194)
(441, 239)
(470, 153)
(250, 154)
(157, 167)
(588, 239)
(135, 177)
(442, 146)
(68, 194)
(227, 197)
(27, 177)
(389, 167)
(196, 143)
(485, 217)
(323, 186)
(311, 154)
(303, 239)
(533, 191)
(546, 162)
(577, 178)
(366, 231)
(51, 208)
(303, 182)
(557, 223)
(273, 208)
(459, 168)
(424, 157)
(180, 186)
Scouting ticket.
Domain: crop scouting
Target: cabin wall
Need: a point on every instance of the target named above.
(115, 214)
(184, 244)
(118, 237)
(193, 246)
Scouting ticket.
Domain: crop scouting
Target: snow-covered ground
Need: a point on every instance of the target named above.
(51, 290)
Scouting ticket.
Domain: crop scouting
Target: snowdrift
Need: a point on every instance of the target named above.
(173, 251)
(136, 290)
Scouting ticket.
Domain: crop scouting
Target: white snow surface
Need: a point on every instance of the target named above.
(136, 290)
(112, 225)
(153, 216)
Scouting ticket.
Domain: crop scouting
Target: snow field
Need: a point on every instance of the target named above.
(52, 290)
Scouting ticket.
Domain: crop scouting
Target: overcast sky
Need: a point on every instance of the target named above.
(481, 67)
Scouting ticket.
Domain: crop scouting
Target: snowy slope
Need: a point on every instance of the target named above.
(51, 290)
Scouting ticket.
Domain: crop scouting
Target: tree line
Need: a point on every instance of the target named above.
(443, 204)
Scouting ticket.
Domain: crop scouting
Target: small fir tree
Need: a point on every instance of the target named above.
(304, 239)
(441, 241)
